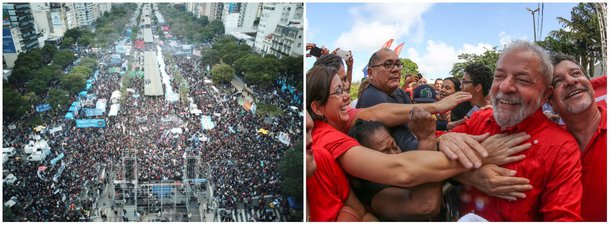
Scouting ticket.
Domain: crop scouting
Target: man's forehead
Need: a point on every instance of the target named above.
(565, 65)
(386, 54)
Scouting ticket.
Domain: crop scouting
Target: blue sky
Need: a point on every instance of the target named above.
(434, 33)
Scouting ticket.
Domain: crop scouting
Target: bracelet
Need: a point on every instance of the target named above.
(351, 213)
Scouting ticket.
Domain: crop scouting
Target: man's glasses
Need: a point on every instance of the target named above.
(467, 82)
(339, 90)
(388, 65)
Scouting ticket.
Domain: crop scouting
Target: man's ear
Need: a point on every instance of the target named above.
(479, 88)
(548, 92)
(317, 108)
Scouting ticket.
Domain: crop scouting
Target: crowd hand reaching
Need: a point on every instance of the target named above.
(501, 147)
(422, 124)
(451, 101)
(453, 124)
(309, 46)
(463, 147)
(499, 182)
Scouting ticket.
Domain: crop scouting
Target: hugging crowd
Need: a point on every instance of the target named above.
(477, 149)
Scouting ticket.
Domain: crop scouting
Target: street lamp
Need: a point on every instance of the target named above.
(533, 19)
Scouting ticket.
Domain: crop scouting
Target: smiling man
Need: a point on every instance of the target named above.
(521, 85)
(384, 75)
(573, 98)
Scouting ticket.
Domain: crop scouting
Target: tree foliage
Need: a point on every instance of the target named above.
(222, 73)
(73, 82)
(58, 98)
(579, 37)
(291, 172)
(64, 58)
(13, 103)
(488, 58)
(209, 57)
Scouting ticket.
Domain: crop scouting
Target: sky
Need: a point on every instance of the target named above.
(434, 33)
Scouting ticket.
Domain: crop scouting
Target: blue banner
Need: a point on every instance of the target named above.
(69, 116)
(92, 112)
(43, 107)
(56, 159)
(8, 46)
(84, 123)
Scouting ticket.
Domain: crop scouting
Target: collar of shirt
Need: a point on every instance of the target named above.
(601, 128)
(528, 125)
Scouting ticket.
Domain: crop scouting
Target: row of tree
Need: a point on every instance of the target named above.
(184, 25)
(111, 24)
(255, 69)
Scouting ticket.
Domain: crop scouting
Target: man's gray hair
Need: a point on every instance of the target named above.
(546, 66)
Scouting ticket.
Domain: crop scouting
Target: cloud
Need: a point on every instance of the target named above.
(375, 23)
(505, 39)
(439, 57)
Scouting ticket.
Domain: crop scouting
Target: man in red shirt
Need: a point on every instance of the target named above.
(573, 98)
(522, 83)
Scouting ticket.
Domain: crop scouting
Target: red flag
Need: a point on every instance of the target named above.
(387, 44)
(399, 48)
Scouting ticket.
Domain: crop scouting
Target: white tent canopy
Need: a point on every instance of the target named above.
(114, 109)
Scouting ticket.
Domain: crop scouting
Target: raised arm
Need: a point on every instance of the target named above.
(392, 115)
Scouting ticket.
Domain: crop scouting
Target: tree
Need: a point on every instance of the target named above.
(37, 86)
(58, 98)
(8, 215)
(64, 58)
(209, 57)
(292, 67)
(488, 58)
(222, 73)
(217, 27)
(291, 172)
(73, 83)
(13, 103)
(88, 62)
(409, 67)
(580, 36)
(67, 42)
(47, 52)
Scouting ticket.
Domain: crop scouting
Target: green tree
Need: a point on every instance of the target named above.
(291, 172)
(88, 62)
(58, 98)
(409, 67)
(217, 27)
(488, 58)
(67, 42)
(64, 58)
(73, 83)
(579, 37)
(37, 86)
(13, 103)
(47, 52)
(222, 73)
(209, 57)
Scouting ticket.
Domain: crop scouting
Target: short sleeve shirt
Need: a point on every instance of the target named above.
(402, 134)
(594, 207)
(326, 136)
(327, 189)
(552, 165)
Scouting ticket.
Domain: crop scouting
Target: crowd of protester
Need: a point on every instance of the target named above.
(467, 149)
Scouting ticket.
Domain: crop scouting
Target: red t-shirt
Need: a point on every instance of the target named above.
(327, 189)
(352, 112)
(600, 87)
(552, 165)
(594, 174)
(326, 136)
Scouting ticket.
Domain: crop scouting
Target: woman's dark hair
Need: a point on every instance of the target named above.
(318, 87)
(364, 130)
(456, 83)
(330, 60)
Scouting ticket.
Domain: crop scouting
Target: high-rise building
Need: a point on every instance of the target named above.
(288, 15)
(287, 40)
(85, 14)
(240, 17)
(19, 33)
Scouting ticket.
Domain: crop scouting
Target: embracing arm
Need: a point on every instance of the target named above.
(392, 114)
(406, 169)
